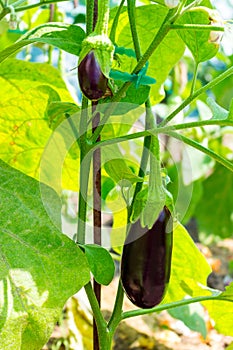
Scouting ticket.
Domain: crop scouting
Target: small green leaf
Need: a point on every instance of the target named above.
(139, 204)
(100, 262)
(121, 173)
(219, 112)
(193, 316)
(66, 37)
(125, 51)
(57, 110)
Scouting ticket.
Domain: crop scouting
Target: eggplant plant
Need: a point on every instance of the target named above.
(131, 68)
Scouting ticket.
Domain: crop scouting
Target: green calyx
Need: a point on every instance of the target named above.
(103, 50)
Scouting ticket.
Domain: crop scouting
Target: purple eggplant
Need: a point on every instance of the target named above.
(146, 261)
(92, 81)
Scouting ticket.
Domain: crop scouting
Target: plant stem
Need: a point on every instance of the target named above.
(147, 139)
(116, 316)
(96, 212)
(197, 27)
(162, 32)
(172, 305)
(112, 35)
(103, 17)
(133, 27)
(163, 130)
(103, 337)
(85, 162)
(6, 10)
(228, 164)
(89, 15)
(194, 78)
(198, 92)
(155, 189)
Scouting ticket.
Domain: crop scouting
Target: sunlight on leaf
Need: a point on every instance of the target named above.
(40, 268)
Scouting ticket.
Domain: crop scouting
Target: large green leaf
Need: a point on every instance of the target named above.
(221, 311)
(188, 280)
(27, 90)
(217, 199)
(64, 36)
(149, 19)
(199, 41)
(185, 257)
(40, 268)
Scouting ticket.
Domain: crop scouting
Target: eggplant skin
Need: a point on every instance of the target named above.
(91, 79)
(146, 261)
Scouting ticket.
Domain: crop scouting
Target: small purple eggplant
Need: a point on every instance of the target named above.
(146, 261)
(92, 81)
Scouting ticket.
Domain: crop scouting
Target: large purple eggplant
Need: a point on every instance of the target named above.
(92, 81)
(146, 261)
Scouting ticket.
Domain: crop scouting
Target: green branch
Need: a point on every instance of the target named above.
(163, 31)
(6, 10)
(198, 92)
(117, 311)
(160, 308)
(89, 16)
(100, 321)
(199, 147)
(197, 27)
(112, 35)
(163, 130)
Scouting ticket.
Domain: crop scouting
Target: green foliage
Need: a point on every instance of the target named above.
(65, 37)
(100, 262)
(185, 254)
(217, 198)
(220, 310)
(149, 19)
(121, 173)
(58, 111)
(27, 89)
(218, 112)
(193, 317)
(198, 41)
(40, 267)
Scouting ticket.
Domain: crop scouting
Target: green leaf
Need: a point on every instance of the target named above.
(40, 268)
(186, 196)
(221, 309)
(66, 37)
(57, 111)
(27, 90)
(121, 173)
(100, 262)
(230, 347)
(185, 258)
(133, 98)
(149, 19)
(219, 112)
(199, 41)
(217, 198)
(193, 316)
